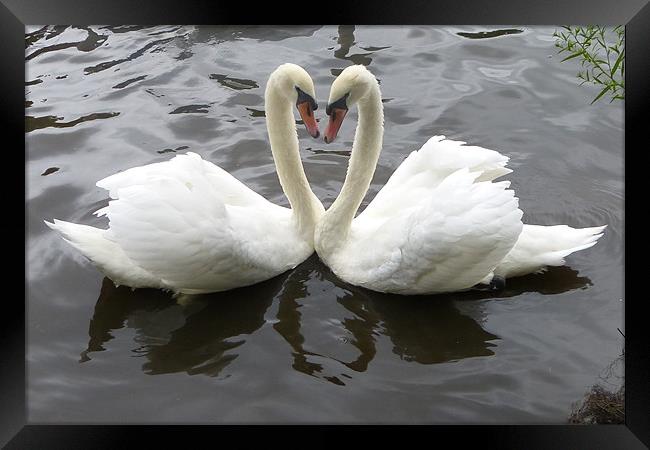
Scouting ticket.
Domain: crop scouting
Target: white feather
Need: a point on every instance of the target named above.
(540, 246)
(191, 227)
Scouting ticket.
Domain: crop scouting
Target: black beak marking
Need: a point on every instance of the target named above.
(339, 104)
(303, 97)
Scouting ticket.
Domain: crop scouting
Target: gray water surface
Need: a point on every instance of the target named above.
(305, 347)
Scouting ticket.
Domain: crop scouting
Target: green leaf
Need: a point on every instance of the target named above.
(575, 55)
(600, 94)
(617, 63)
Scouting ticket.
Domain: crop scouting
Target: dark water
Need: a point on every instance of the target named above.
(304, 347)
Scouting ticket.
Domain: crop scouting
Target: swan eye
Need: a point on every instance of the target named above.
(304, 97)
(339, 104)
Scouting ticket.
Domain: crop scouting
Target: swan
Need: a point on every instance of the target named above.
(440, 223)
(188, 226)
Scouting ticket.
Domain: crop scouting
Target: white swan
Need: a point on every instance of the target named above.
(188, 226)
(439, 224)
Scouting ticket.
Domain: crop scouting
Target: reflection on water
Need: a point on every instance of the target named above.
(346, 41)
(108, 64)
(201, 334)
(197, 337)
(318, 151)
(305, 346)
(49, 170)
(489, 34)
(234, 83)
(34, 123)
(92, 41)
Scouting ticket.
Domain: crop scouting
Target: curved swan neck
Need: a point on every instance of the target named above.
(366, 148)
(283, 136)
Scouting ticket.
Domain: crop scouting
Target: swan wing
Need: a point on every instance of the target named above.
(197, 228)
(185, 168)
(427, 167)
(446, 238)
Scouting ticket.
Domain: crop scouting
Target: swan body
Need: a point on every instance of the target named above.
(188, 226)
(440, 224)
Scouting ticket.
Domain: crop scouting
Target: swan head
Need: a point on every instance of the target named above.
(350, 87)
(296, 86)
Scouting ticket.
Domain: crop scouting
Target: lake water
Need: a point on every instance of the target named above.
(305, 347)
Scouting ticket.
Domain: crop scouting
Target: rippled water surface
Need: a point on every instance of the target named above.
(305, 347)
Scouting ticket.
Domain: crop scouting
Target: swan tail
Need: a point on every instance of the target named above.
(541, 246)
(104, 254)
(88, 240)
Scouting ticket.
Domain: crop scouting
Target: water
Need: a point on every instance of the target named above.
(305, 347)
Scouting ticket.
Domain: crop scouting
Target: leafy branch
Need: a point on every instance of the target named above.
(602, 55)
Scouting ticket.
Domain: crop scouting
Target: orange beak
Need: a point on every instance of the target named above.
(336, 119)
(307, 116)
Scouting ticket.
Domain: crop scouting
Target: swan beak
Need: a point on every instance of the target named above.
(307, 114)
(336, 119)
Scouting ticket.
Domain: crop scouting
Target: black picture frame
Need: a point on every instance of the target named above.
(15, 14)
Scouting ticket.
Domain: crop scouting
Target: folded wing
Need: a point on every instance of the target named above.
(439, 224)
(195, 227)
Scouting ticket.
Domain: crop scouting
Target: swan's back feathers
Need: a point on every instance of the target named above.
(184, 168)
(425, 168)
(444, 156)
(449, 241)
(540, 246)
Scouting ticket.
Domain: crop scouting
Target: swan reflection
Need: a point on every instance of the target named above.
(332, 329)
(197, 336)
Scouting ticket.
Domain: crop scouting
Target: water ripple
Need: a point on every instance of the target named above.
(35, 123)
(108, 64)
(489, 34)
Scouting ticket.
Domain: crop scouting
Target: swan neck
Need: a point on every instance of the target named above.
(283, 136)
(361, 168)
